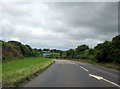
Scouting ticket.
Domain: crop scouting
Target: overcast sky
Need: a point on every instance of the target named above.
(61, 25)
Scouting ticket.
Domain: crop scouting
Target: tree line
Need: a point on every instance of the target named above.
(14, 50)
(108, 51)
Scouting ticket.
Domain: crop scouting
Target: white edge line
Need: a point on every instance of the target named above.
(101, 78)
(73, 63)
(111, 82)
(83, 68)
(97, 77)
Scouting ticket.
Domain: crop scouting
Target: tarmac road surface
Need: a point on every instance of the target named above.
(64, 73)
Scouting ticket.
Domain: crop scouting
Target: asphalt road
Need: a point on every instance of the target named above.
(65, 73)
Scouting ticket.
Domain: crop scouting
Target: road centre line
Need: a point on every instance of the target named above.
(101, 78)
(73, 63)
(83, 68)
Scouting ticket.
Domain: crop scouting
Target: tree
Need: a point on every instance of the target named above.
(115, 49)
(64, 54)
(46, 49)
(70, 53)
(16, 50)
(109, 51)
(39, 50)
(79, 50)
(103, 52)
(55, 51)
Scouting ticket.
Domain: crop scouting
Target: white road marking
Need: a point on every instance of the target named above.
(111, 82)
(83, 68)
(73, 63)
(101, 78)
(95, 76)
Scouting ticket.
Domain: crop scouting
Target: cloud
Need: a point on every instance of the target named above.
(60, 25)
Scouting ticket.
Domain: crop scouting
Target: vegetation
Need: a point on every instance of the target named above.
(109, 51)
(16, 71)
(110, 65)
(106, 52)
(16, 50)
(55, 55)
(0, 74)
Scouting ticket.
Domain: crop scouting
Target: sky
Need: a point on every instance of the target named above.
(59, 25)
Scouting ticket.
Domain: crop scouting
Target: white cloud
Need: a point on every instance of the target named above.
(58, 25)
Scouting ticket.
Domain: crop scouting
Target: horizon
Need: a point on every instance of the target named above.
(59, 25)
(56, 48)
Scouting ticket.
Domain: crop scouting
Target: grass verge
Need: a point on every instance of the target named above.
(110, 65)
(17, 71)
(0, 74)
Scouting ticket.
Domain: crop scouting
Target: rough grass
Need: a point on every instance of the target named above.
(110, 65)
(55, 53)
(17, 71)
(0, 74)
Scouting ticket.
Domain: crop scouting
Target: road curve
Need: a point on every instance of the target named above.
(65, 73)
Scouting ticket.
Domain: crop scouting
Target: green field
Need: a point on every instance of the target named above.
(17, 71)
(55, 55)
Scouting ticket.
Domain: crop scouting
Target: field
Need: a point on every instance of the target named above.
(17, 71)
(55, 55)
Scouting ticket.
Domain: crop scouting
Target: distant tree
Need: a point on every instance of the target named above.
(70, 53)
(39, 50)
(46, 49)
(61, 53)
(91, 52)
(64, 54)
(55, 51)
(79, 50)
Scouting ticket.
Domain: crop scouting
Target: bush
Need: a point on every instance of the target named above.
(14, 49)
(108, 51)
(55, 55)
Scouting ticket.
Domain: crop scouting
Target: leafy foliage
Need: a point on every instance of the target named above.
(103, 52)
(14, 49)
(70, 53)
(108, 51)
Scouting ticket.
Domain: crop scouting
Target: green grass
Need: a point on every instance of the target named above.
(17, 71)
(0, 74)
(55, 53)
